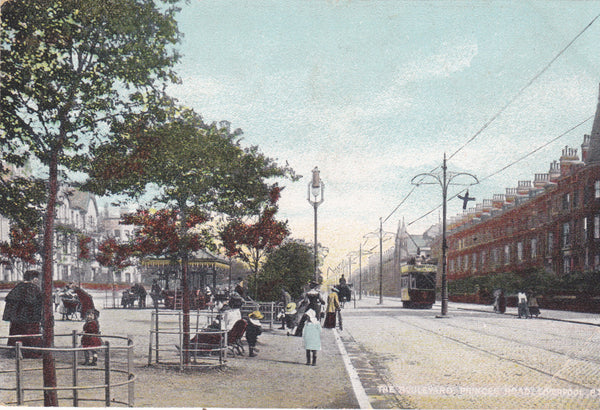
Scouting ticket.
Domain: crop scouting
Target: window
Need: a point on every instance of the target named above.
(482, 259)
(596, 226)
(466, 262)
(117, 233)
(550, 243)
(566, 199)
(585, 229)
(506, 254)
(474, 259)
(534, 248)
(566, 265)
(520, 251)
(566, 241)
(597, 189)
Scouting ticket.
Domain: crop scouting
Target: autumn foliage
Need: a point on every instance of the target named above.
(251, 241)
(22, 246)
(114, 254)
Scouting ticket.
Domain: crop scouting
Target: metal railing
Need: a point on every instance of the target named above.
(165, 346)
(81, 379)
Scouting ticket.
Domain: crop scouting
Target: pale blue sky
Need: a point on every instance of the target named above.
(374, 92)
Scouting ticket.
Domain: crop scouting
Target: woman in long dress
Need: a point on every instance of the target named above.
(333, 305)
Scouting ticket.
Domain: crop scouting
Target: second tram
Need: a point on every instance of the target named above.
(417, 285)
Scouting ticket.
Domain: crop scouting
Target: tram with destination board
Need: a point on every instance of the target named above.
(417, 285)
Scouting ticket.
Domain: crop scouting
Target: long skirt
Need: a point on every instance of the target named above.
(26, 329)
(330, 320)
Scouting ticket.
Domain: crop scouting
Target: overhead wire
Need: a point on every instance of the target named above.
(503, 108)
(495, 116)
(512, 163)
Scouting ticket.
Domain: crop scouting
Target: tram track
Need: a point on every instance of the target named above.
(568, 355)
(489, 352)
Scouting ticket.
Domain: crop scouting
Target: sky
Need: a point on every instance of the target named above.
(374, 93)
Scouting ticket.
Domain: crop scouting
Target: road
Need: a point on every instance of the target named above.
(472, 359)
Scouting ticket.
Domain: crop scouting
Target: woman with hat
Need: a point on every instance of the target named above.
(333, 305)
(311, 335)
(253, 330)
(23, 310)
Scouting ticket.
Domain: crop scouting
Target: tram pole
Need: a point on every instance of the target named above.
(444, 181)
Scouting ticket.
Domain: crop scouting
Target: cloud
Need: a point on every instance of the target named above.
(439, 65)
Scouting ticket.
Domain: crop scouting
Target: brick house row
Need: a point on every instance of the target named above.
(552, 223)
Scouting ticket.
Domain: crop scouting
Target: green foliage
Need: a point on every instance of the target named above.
(69, 67)
(290, 267)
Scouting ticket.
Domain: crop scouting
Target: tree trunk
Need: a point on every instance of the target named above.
(186, 309)
(185, 306)
(50, 397)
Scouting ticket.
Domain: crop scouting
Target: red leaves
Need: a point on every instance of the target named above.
(264, 235)
(160, 233)
(83, 242)
(22, 245)
(114, 254)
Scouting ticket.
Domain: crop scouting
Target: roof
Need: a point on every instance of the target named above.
(201, 257)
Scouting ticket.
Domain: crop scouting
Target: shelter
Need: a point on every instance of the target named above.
(205, 269)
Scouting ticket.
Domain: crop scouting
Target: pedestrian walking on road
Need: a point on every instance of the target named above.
(91, 338)
(311, 335)
(333, 306)
(253, 330)
(315, 301)
(523, 309)
(532, 304)
(286, 299)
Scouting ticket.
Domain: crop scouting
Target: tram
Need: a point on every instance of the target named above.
(417, 285)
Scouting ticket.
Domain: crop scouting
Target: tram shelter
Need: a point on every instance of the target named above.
(204, 269)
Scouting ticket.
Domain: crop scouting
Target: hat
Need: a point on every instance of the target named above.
(290, 308)
(256, 315)
(30, 274)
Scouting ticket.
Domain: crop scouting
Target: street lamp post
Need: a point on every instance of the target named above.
(444, 182)
(316, 189)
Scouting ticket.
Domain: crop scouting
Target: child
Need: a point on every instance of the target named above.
(311, 333)
(253, 330)
(91, 328)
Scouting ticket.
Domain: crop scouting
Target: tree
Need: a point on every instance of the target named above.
(185, 166)
(251, 242)
(68, 69)
(290, 267)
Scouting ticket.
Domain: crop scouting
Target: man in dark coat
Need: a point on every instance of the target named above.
(24, 312)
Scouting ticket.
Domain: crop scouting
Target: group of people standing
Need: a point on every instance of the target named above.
(527, 303)
(310, 312)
